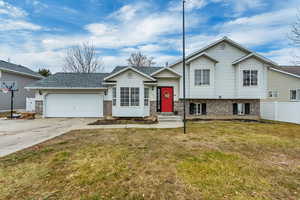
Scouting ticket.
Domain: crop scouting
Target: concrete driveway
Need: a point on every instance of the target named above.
(19, 134)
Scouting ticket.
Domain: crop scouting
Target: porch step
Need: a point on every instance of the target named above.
(166, 114)
(172, 118)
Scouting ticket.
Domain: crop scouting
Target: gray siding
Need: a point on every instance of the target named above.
(20, 95)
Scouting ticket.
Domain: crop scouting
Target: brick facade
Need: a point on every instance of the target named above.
(223, 106)
(39, 107)
(215, 107)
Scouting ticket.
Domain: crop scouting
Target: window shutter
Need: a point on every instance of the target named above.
(235, 108)
(247, 108)
(203, 107)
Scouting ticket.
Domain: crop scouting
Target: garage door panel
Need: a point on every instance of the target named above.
(74, 105)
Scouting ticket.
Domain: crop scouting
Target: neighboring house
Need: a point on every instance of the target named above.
(284, 84)
(223, 80)
(22, 76)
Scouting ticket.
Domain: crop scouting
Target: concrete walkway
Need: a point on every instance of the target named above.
(16, 135)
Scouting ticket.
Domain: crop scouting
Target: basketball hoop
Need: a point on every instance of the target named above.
(5, 90)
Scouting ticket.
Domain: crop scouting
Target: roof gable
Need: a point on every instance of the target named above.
(251, 55)
(224, 39)
(203, 54)
(144, 71)
(168, 72)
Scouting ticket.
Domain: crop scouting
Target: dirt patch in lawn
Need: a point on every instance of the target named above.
(215, 160)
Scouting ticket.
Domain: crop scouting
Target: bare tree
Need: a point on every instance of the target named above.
(295, 35)
(139, 60)
(82, 59)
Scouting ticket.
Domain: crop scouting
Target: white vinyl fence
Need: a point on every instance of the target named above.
(30, 104)
(281, 111)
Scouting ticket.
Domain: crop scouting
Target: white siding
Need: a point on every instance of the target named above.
(226, 80)
(202, 91)
(178, 68)
(127, 80)
(225, 71)
(252, 92)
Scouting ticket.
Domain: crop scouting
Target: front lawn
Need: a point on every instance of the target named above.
(215, 160)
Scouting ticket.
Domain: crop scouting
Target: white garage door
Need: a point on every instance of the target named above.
(74, 105)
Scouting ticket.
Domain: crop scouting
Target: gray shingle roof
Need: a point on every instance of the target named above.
(18, 69)
(291, 69)
(71, 80)
(145, 70)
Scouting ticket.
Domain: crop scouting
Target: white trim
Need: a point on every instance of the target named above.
(200, 55)
(211, 45)
(284, 72)
(128, 68)
(23, 73)
(66, 88)
(255, 55)
(166, 68)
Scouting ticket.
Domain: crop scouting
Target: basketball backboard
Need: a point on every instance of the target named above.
(8, 85)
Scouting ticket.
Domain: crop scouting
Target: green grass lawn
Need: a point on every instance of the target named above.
(215, 160)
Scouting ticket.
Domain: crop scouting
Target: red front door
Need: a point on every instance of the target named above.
(166, 99)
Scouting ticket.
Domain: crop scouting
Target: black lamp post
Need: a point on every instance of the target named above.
(183, 65)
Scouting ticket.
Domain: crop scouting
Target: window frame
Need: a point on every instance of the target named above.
(198, 109)
(202, 77)
(114, 96)
(297, 95)
(250, 77)
(134, 96)
(146, 96)
(273, 94)
(124, 103)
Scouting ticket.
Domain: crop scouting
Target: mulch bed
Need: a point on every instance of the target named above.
(125, 121)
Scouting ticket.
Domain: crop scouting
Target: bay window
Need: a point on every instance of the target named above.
(129, 96)
(146, 96)
(114, 96)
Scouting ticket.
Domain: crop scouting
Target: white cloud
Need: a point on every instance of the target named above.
(266, 28)
(126, 12)
(284, 56)
(9, 25)
(240, 6)
(11, 11)
(189, 5)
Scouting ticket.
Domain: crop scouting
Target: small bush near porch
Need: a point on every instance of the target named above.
(215, 160)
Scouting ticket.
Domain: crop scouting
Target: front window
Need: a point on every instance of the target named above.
(250, 77)
(114, 96)
(198, 109)
(135, 96)
(202, 77)
(146, 96)
(124, 96)
(130, 96)
(241, 109)
(295, 95)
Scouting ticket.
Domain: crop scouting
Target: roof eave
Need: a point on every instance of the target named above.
(22, 73)
(66, 88)
(165, 68)
(284, 72)
(128, 68)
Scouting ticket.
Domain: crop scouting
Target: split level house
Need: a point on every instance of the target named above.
(21, 76)
(223, 80)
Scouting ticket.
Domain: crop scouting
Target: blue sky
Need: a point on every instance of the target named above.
(36, 33)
